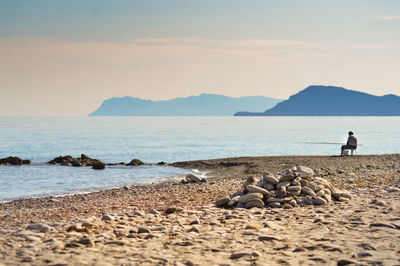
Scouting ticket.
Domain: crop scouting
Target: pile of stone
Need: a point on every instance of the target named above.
(13, 161)
(84, 160)
(190, 178)
(294, 187)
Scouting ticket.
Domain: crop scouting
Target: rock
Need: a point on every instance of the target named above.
(162, 163)
(135, 162)
(294, 193)
(256, 189)
(293, 203)
(253, 226)
(13, 161)
(382, 225)
(237, 193)
(319, 201)
(325, 183)
(269, 186)
(341, 194)
(393, 189)
(274, 204)
(193, 178)
(170, 210)
(38, 227)
(258, 203)
(99, 166)
(282, 184)
(304, 171)
(249, 196)
(85, 241)
(344, 262)
(287, 206)
(238, 255)
(273, 199)
(293, 188)
(296, 181)
(261, 183)
(193, 229)
(233, 201)
(307, 200)
(107, 218)
(268, 238)
(279, 194)
(116, 242)
(250, 181)
(85, 157)
(222, 202)
(143, 230)
(363, 254)
(312, 186)
(308, 191)
(287, 176)
(267, 176)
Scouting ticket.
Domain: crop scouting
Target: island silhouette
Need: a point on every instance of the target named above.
(333, 101)
(201, 105)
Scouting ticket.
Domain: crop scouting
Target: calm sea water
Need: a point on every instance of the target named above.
(170, 139)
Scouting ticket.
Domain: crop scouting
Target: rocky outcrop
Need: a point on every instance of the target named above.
(295, 187)
(13, 161)
(190, 178)
(135, 162)
(84, 160)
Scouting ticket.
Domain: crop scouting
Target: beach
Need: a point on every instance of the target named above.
(171, 223)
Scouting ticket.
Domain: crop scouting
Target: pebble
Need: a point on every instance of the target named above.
(86, 241)
(268, 238)
(382, 225)
(193, 178)
(233, 201)
(252, 226)
(247, 197)
(319, 201)
(238, 255)
(256, 189)
(284, 184)
(341, 194)
(274, 204)
(364, 254)
(38, 227)
(107, 218)
(254, 203)
(293, 188)
(116, 242)
(142, 230)
(308, 191)
(222, 202)
(270, 178)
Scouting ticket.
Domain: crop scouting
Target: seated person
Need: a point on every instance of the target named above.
(351, 142)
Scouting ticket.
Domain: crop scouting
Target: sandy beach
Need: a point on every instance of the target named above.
(178, 224)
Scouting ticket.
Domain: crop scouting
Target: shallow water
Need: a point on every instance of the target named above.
(154, 139)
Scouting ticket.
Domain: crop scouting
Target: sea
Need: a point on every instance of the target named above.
(168, 139)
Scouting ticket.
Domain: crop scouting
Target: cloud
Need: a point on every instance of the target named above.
(370, 46)
(240, 44)
(150, 50)
(387, 17)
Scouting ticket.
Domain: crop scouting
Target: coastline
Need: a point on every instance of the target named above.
(367, 177)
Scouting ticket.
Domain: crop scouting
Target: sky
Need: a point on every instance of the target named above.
(65, 57)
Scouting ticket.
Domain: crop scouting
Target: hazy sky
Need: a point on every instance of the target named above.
(65, 57)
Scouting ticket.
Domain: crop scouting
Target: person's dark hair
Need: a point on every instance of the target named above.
(351, 133)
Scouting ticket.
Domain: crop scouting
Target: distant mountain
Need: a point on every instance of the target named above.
(202, 105)
(333, 101)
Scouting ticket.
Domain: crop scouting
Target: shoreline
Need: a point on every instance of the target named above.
(172, 223)
(232, 171)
